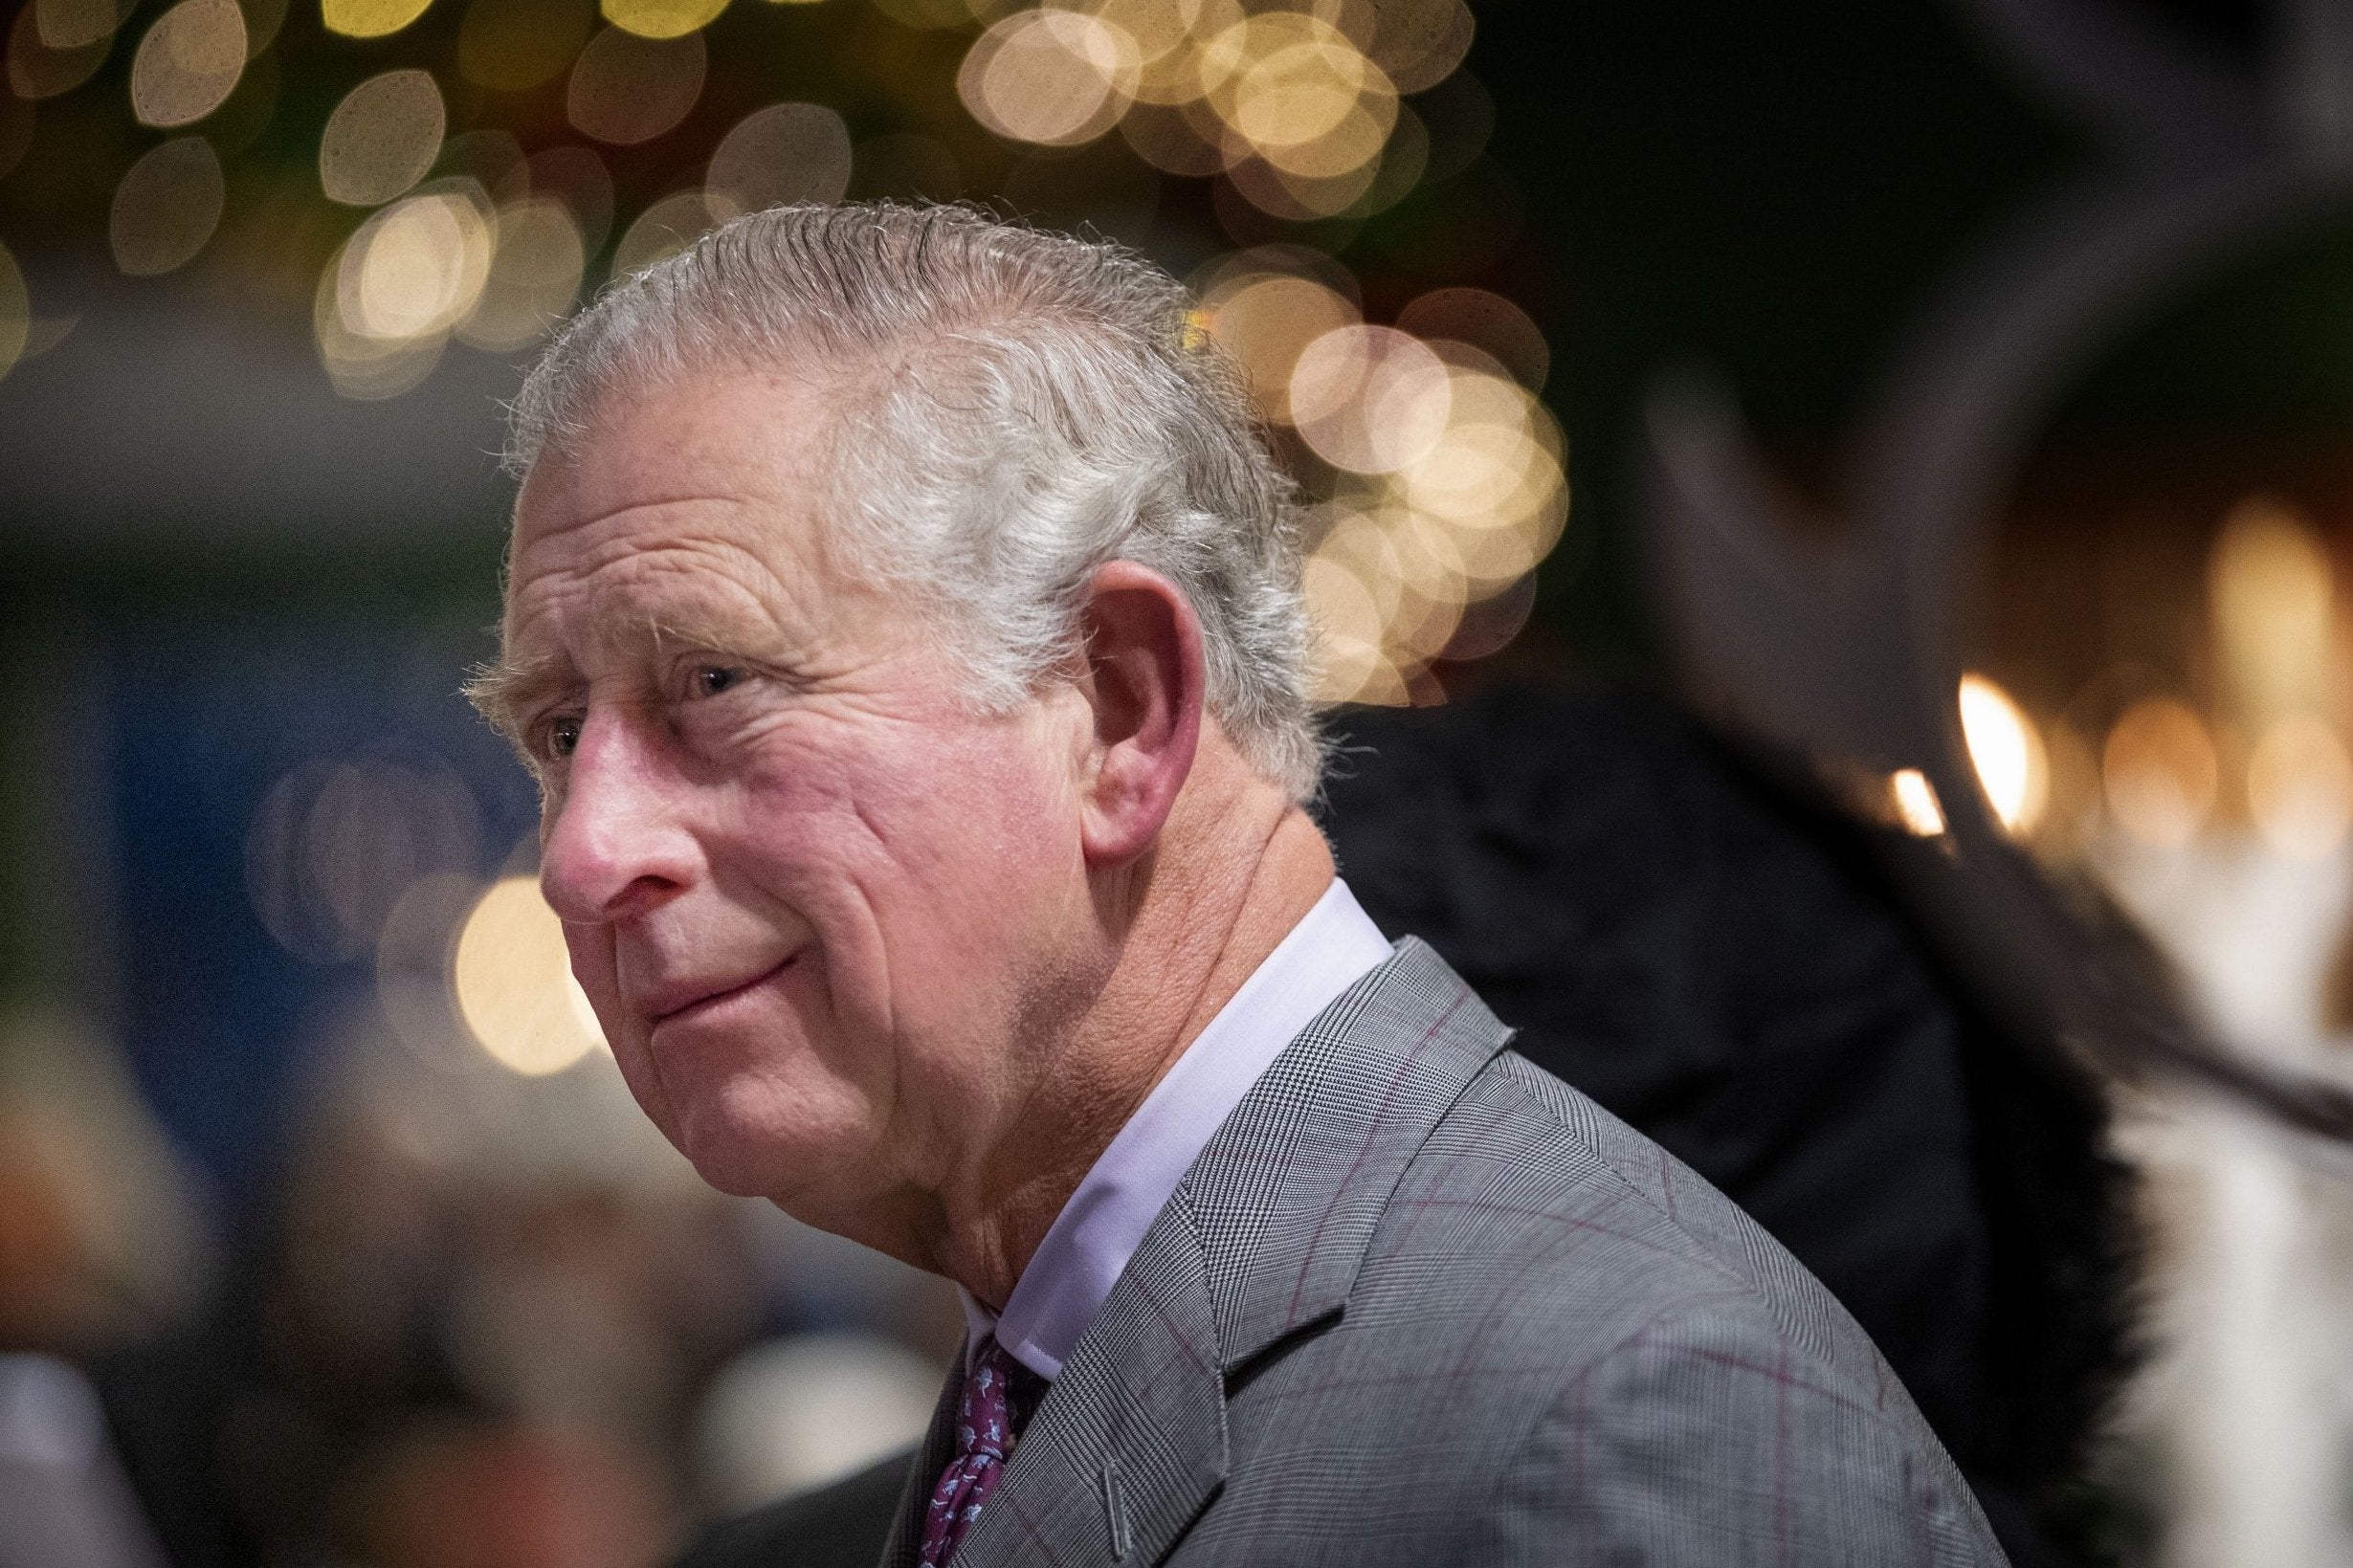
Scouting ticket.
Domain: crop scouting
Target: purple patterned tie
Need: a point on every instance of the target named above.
(998, 1396)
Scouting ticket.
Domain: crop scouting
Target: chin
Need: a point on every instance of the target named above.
(759, 1138)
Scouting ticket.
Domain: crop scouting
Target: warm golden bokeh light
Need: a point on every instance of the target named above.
(2159, 773)
(38, 70)
(188, 64)
(77, 24)
(662, 18)
(361, 368)
(1913, 801)
(1452, 490)
(625, 89)
(2299, 788)
(1054, 77)
(1371, 399)
(381, 138)
(1484, 320)
(661, 231)
(369, 18)
(786, 152)
(1266, 322)
(417, 267)
(535, 276)
(576, 177)
(2272, 594)
(166, 206)
(513, 982)
(1420, 43)
(2005, 750)
(262, 20)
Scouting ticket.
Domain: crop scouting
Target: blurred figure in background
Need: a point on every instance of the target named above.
(496, 1323)
(99, 1247)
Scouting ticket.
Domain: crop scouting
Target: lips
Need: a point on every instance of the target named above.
(679, 1002)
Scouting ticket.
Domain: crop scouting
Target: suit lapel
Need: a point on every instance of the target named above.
(1289, 1193)
(1130, 1441)
(1265, 1235)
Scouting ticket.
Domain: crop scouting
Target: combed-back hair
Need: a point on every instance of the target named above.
(1009, 410)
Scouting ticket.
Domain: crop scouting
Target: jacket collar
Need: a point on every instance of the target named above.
(1264, 1237)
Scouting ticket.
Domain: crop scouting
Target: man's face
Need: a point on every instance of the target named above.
(819, 905)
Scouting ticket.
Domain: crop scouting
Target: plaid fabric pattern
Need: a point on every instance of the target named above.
(1420, 1303)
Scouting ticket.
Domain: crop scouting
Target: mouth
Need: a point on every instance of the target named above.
(710, 1002)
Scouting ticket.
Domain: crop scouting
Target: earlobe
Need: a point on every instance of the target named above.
(1144, 682)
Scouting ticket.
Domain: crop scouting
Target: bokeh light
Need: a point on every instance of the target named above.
(1484, 320)
(166, 206)
(417, 267)
(576, 177)
(2159, 772)
(1054, 77)
(1913, 802)
(664, 230)
(625, 89)
(188, 64)
(262, 20)
(662, 18)
(1266, 321)
(2005, 750)
(513, 980)
(535, 276)
(334, 846)
(77, 24)
(786, 152)
(2272, 595)
(381, 139)
(2299, 788)
(1370, 399)
(369, 18)
(38, 69)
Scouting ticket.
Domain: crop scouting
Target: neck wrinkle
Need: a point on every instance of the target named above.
(1195, 943)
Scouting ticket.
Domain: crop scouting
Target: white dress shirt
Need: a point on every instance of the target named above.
(1334, 945)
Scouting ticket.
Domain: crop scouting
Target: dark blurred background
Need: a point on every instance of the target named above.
(320, 1201)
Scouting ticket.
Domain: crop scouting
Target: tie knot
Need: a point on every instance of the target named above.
(998, 1397)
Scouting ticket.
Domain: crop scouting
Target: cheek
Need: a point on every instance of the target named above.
(926, 850)
(593, 965)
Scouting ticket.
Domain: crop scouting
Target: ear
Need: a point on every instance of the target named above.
(1144, 682)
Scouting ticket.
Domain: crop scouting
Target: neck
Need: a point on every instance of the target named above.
(1190, 928)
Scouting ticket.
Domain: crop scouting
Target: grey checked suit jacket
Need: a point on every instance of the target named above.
(1418, 1302)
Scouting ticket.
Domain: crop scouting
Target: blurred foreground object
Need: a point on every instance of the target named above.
(63, 1501)
(99, 1245)
(2195, 770)
(1718, 961)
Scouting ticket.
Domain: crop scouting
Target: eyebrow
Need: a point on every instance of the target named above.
(506, 690)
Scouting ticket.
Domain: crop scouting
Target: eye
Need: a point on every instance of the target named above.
(711, 679)
(564, 736)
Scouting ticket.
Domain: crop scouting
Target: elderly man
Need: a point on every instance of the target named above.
(904, 625)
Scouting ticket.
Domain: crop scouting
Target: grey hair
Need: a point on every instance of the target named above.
(1010, 409)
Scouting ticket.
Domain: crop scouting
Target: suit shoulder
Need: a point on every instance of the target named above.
(1528, 1177)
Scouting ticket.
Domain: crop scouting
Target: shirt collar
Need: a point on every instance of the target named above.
(1086, 1250)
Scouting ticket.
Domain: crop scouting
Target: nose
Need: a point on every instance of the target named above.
(615, 844)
